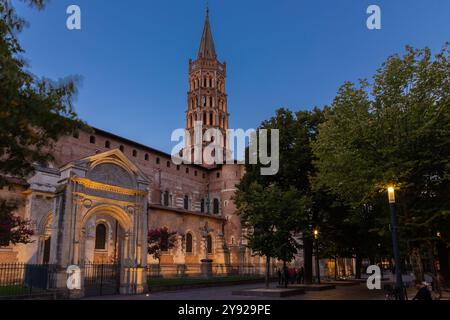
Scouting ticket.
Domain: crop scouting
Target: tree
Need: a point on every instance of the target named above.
(34, 113)
(394, 130)
(160, 240)
(297, 170)
(268, 214)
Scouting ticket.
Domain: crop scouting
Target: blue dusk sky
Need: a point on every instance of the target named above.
(133, 55)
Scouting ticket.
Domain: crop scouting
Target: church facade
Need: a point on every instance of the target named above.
(102, 194)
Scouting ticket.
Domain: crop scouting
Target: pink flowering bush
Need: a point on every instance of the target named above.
(160, 240)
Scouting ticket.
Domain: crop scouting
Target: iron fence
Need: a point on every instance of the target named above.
(23, 280)
(101, 279)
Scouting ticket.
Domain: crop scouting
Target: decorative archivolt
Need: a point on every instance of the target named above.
(117, 213)
(45, 225)
(106, 187)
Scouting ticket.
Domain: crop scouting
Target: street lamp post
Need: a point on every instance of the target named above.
(316, 237)
(398, 269)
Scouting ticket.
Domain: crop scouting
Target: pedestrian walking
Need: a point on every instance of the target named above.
(280, 276)
(300, 275)
(286, 276)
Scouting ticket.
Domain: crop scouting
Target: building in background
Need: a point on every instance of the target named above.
(96, 202)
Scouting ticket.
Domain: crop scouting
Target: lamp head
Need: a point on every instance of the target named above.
(391, 193)
(316, 233)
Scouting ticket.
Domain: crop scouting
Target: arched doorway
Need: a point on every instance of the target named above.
(104, 249)
(46, 253)
(45, 239)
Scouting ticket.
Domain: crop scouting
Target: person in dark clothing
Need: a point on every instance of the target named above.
(286, 276)
(280, 277)
(300, 275)
(293, 275)
(423, 293)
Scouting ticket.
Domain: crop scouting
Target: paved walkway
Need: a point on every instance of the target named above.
(359, 292)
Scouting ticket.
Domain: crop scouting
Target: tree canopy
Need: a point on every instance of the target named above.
(393, 131)
(34, 113)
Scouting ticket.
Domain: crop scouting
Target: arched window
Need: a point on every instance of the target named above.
(46, 255)
(100, 237)
(166, 198)
(186, 202)
(188, 243)
(92, 139)
(135, 153)
(202, 206)
(164, 242)
(209, 244)
(122, 148)
(107, 144)
(216, 206)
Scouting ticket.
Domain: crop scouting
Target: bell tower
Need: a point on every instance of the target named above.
(207, 98)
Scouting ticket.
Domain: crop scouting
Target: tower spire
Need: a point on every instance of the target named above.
(207, 48)
(207, 100)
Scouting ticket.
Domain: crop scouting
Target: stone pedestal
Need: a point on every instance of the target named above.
(206, 268)
(60, 283)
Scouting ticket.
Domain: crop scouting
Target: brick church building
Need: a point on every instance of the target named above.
(96, 202)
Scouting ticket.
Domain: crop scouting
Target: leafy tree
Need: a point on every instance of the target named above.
(160, 240)
(394, 130)
(34, 113)
(297, 131)
(268, 213)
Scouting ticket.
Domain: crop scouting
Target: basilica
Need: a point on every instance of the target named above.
(97, 200)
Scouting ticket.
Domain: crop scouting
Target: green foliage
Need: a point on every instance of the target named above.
(277, 209)
(34, 112)
(395, 130)
(269, 213)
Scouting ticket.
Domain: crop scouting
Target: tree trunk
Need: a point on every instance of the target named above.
(308, 257)
(358, 266)
(416, 262)
(344, 265)
(267, 272)
(335, 268)
(444, 269)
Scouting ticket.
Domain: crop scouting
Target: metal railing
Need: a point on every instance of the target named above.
(23, 280)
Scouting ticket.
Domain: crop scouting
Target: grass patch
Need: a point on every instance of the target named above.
(197, 281)
(10, 291)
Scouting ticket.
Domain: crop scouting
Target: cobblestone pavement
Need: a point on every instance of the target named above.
(359, 292)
